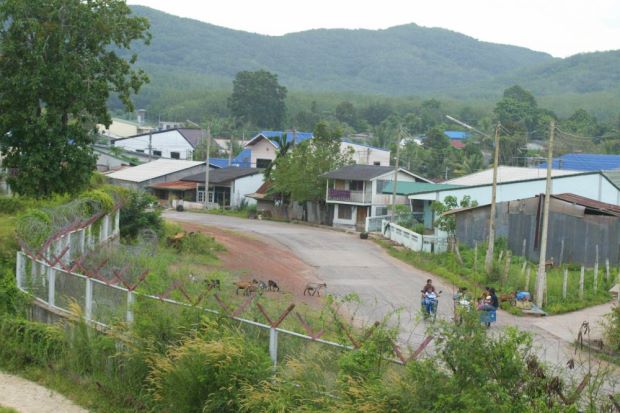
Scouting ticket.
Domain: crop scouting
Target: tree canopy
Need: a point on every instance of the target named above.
(258, 99)
(59, 62)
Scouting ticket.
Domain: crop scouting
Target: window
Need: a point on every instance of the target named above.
(140, 150)
(157, 153)
(263, 163)
(175, 155)
(356, 185)
(380, 185)
(381, 211)
(376, 163)
(344, 211)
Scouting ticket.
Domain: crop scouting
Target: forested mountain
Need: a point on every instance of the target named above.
(402, 60)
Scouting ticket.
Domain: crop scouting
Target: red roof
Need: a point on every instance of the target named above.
(175, 185)
(457, 144)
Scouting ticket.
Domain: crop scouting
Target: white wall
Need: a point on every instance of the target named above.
(365, 155)
(262, 149)
(593, 186)
(244, 186)
(348, 222)
(166, 142)
(386, 199)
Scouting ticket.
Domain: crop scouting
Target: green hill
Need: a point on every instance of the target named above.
(402, 60)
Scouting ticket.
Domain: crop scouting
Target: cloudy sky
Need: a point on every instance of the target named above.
(561, 28)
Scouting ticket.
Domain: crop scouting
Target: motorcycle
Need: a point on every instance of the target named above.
(429, 304)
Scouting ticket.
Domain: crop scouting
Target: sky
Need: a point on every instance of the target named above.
(561, 28)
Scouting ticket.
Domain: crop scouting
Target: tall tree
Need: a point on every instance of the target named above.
(59, 61)
(300, 173)
(258, 98)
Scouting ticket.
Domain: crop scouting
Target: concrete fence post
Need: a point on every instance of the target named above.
(130, 301)
(528, 275)
(89, 299)
(82, 241)
(117, 222)
(523, 248)
(273, 345)
(581, 279)
(51, 286)
(596, 270)
(20, 270)
(562, 252)
(607, 270)
(105, 226)
(565, 283)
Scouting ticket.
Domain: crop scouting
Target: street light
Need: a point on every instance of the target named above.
(206, 196)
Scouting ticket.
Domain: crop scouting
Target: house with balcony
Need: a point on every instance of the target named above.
(356, 192)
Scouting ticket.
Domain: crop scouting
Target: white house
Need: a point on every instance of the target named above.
(178, 143)
(519, 183)
(356, 191)
(264, 149)
(228, 187)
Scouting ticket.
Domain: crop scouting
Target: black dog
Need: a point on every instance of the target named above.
(273, 286)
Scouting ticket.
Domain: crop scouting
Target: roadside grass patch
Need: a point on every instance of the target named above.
(448, 267)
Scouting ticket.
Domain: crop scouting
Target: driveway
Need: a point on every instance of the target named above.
(351, 265)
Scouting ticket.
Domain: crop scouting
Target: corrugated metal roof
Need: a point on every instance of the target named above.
(218, 176)
(585, 162)
(506, 174)
(409, 188)
(152, 170)
(589, 203)
(456, 134)
(290, 136)
(359, 172)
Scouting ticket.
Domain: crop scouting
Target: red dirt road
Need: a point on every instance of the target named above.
(253, 256)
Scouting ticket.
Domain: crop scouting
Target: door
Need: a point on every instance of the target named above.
(362, 213)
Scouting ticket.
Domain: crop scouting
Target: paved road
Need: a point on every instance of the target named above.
(348, 264)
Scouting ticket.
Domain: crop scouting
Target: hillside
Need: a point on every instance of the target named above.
(402, 60)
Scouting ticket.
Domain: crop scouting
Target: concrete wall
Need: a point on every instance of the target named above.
(262, 149)
(365, 155)
(579, 232)
(243, 186)
(166, 142)
(593, 186)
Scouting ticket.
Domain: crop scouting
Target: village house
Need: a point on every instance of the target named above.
(264, 149)
(228, 187)
(356, 192)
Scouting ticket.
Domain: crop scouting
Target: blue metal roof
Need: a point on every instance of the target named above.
(585, 162)
(456, 134)
(290, 135)
(244, 159)
(218, 162)
(365, 146)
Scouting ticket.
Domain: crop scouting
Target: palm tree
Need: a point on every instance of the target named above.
(284, 145)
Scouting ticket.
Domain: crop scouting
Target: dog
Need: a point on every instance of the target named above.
(314, 288)
(272, 286)
(247, 286)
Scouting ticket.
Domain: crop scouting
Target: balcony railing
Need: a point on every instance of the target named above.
(345, 195)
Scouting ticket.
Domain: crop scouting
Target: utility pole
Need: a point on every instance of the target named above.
(150, 145)
(400, 136)
(541, 276)
(208, 166)
(488, 260)
(230, 150)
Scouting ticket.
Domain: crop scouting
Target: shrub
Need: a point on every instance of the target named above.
(24, 342)
(97, 201)
(612, 329)
(136, 216)
(11, 205)
(34, 228)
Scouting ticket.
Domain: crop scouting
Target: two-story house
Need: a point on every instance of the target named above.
(356, 192)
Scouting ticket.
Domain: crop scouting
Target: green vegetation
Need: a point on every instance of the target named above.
(471, 275)
(7, 410)
(66, 66)
(258, 99)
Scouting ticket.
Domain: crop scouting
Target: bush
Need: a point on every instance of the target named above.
(24, 342)
(612, 330)
(97, 201)
(136, 216)
(11, 205)
(34, 228)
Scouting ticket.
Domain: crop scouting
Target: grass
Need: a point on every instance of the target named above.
(238, 213)
(7, 410)
(475, 279)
